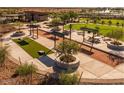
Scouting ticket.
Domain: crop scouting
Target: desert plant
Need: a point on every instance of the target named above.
(3, 54)
(68, 48)
(61, 79)
(68, 79)
(25, 70)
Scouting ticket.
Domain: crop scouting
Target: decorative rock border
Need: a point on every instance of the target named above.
(115, 47)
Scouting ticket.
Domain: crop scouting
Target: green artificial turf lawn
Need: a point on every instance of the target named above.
(103, 29)
(31, 47)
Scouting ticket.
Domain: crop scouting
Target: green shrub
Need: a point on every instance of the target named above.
(67, 79)
(25, 69)
(3, 54)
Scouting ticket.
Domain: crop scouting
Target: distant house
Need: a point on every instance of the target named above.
(25, 16)
(35, 16)
(10, 17)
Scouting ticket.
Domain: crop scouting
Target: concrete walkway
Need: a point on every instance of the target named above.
(76, 37)
(90, 67)
(19, 54)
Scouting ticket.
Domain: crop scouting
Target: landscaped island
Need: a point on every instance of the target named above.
(31, 47)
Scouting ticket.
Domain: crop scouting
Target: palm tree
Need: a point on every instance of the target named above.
(72, 16)
(64, 18)
(25, 72)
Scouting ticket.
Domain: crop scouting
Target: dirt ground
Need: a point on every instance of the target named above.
(7, 72)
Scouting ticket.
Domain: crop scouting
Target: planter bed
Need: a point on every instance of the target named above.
(71, 66)
(115, 47)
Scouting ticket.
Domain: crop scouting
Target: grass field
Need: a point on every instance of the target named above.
(31, 47)
(103, 29)
(114, 21)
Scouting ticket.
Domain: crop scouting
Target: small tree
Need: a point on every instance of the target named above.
(103, 22)
(110, 22)
(25, 70)
(122, 24)
(72, 16)
(64, 18)
(68, 48)
(19, 25)
(117, 24)
(87, 21)
(55, 22)
(95, 21)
